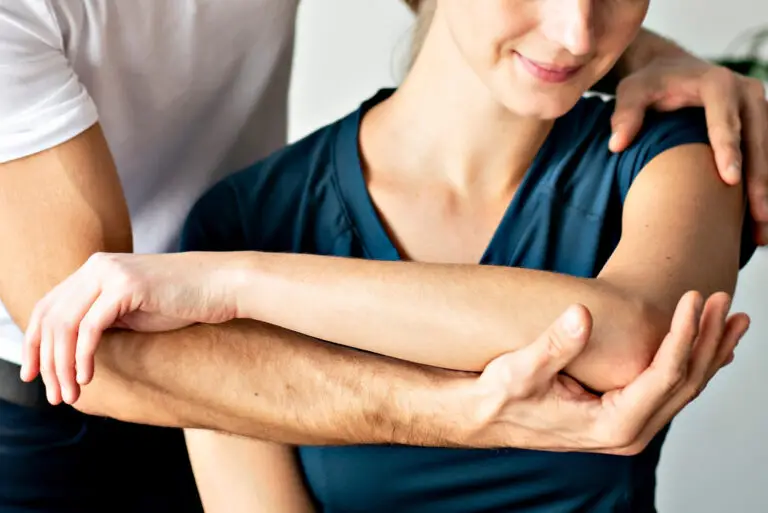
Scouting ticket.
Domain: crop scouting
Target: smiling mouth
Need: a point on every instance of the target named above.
(548, 72)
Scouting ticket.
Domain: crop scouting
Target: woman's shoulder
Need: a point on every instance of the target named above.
(582, 171)
(586, 130)
(591, 119)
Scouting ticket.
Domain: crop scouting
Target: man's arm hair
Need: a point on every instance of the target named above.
(260, 381)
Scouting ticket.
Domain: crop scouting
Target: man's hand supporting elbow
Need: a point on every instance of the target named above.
(260, 381)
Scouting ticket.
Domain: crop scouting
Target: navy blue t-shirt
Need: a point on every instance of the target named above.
(311, 197)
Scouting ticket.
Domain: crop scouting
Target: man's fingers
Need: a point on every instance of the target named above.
(756, 135)
(632, 100)
(730, 336)
(675, 352)
(637, 402)
(563, 341)
(711, 331)
(735, 329)
(723, 113)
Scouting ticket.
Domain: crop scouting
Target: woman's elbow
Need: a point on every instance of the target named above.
(642, 328)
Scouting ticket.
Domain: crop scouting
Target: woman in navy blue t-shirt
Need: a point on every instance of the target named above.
(489, 154)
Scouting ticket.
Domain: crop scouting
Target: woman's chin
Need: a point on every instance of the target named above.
(545, 106)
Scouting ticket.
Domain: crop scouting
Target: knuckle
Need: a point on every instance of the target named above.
(521, 386)
(122, 279)
(555, 345)
(723, 75)
(65, 326)
(56, 322)
(32, 343)
(107, 265)
(632, 91)
(47, 323)
(755, 88)
(626, 85)
(86, 326)
(98, 259)
(673, 377)
(46, 366)
(728, 137)
(694, 390)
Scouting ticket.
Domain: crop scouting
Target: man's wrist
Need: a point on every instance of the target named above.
(646, 48)
(446, 410)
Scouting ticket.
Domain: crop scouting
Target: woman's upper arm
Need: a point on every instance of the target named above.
(236, 474)
(681, 230)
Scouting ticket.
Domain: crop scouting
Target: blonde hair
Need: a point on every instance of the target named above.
(424, 10)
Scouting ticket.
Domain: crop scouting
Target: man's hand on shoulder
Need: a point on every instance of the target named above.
(658, 74)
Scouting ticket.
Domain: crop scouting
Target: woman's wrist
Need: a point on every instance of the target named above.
(238, 282)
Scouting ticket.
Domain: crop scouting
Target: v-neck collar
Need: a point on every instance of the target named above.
(365, 220)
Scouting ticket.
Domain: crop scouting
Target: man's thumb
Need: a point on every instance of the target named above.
(562, 342)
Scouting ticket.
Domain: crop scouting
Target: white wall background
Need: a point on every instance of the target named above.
(716, 458)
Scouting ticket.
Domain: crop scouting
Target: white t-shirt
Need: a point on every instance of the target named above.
(186, 92)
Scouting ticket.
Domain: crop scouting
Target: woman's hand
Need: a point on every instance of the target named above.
(736, 111)
(522, 399)
(137, 292)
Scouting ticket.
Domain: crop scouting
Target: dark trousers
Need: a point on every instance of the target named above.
(58, 460)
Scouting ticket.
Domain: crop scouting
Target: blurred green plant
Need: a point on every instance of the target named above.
(752, 63)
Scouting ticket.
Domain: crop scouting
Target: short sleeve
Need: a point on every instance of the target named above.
(214, 224)
(42, 102)
(661, 132)
(664, 131)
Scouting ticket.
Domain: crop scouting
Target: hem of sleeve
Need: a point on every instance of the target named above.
(86, 118)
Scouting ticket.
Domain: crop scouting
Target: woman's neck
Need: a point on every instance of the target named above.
(443, 124)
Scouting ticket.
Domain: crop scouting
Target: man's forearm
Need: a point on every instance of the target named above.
(260, 381)
(646, 47)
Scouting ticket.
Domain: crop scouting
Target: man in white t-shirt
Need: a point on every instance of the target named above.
(114, 118)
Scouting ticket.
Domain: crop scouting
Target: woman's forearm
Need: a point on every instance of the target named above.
(452, 316)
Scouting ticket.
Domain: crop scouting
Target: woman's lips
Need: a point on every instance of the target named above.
(547, 72)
